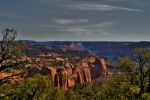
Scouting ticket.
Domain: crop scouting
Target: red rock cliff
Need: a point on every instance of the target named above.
(84, 71)
(69, 75)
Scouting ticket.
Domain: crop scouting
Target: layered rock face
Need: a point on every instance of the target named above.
(69, 75)
(84, 71)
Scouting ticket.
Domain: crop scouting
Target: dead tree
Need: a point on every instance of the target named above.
(8, 51)
(6, 46)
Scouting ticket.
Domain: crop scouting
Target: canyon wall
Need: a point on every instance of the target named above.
(84, 71)
(69, 75)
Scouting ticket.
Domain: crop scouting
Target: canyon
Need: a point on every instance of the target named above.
(67, 66)
(111, 50)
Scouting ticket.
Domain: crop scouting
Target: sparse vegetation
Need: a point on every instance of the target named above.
(10, 54)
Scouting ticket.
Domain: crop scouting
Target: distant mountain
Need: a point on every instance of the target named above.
(112, 50)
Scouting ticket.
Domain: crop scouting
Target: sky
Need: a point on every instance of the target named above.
(77, 20)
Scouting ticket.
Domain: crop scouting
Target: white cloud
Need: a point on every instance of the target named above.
(104, 24)
(102, 7)
(82, 20)
(85, 31)
(70, 21)
(64, 21)
(128, 9)
(93, 29)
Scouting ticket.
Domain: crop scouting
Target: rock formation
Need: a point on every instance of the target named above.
(84, 71)
(69, 75)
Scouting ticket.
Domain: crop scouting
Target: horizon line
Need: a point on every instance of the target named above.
(79, 41)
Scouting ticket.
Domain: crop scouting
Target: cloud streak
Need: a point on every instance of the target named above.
(88, 30)
(70, 21)
(64, 21)
(80, 31)
(102, 7)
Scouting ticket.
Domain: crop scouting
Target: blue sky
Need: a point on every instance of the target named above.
(77, 20)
